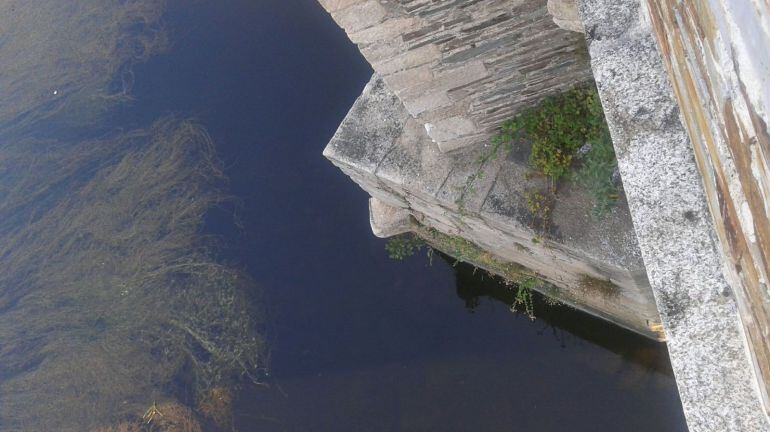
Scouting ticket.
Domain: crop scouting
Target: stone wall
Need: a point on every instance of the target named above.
(718, 58)
(462, 67)
(592, 265)
(670, 208)
(450, 71)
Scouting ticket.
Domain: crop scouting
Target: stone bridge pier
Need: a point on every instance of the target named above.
(685, 87)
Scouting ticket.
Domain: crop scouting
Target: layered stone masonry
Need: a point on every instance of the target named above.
(596, 266)
(457, 68)
(709, 355)
(462, 67)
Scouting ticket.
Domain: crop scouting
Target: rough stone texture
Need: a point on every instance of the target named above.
(388, 153)
(462, 67)
(565, 15)
(708, 350)
(388, 221)
(716, 54)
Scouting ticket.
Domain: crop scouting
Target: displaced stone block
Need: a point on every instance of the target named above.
(464, 75)
(388, 221)
(381, 51)
(565, 15)
(337, 5)
(460, 142)
(447, 80)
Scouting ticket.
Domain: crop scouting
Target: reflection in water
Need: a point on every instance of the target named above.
(111, 300)
(433, 366)
(561, 321)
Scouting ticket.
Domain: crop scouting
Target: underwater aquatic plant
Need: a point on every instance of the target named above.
(111, 294)
(72, 58)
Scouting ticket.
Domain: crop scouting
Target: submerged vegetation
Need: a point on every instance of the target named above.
(110, 296)
(214, 411)
(72, 60)
(115, 313)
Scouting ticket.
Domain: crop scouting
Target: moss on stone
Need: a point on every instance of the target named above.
(599, 287)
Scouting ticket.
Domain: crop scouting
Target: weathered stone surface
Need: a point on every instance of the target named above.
(707, 346)
(388, 221)
(476, 62)
(391, 156)
(360, 16)
(565, 15)
(716, 54)
(335, 5)
(456, 69)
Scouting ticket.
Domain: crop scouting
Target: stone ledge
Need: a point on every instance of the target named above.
(389, 154)
(708, 350)
(716, 57)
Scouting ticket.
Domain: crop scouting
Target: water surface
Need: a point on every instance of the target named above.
(359, 342)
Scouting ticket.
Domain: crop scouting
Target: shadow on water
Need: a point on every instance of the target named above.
(472, 364)
(562, 322)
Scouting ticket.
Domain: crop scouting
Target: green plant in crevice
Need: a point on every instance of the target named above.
(499, 146)
(403, 246)
(523, 301)
(558, 128)
(540, 206)
(599, 165)
(520, 280)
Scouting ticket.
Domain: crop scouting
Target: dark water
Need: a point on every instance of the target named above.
(360, 342)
